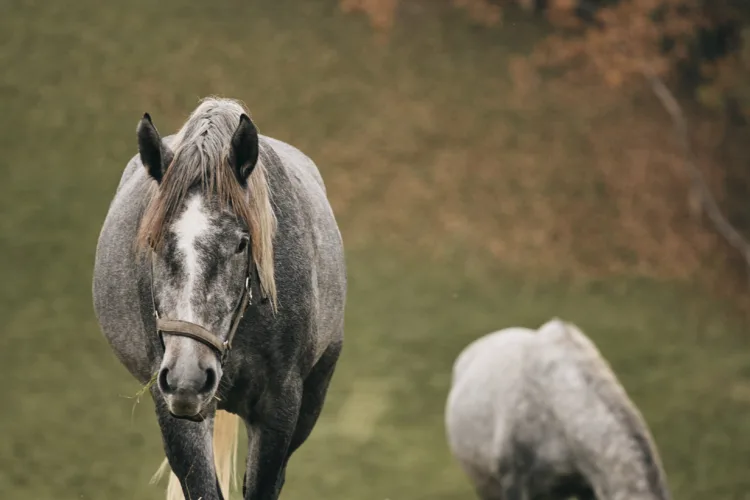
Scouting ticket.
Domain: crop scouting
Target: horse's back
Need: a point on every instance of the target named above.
(601, 424)
(508, 392)
(317, 252)
(548, 396)
(481, 356)
(294, 158)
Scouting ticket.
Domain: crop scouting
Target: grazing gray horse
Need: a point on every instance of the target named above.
(540, 415)
(220, 277)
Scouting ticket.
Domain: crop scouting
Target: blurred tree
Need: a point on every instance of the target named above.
(702, 46)
(622, 40)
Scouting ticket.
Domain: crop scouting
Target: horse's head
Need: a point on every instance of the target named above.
(202, 257)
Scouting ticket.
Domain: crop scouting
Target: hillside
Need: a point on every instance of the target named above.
(471, 196)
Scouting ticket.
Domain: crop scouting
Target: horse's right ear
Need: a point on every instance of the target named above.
(155, 155)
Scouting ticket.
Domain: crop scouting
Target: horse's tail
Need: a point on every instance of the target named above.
(226, 437)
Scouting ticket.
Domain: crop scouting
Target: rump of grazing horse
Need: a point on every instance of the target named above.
(540, 414)
(220, 275)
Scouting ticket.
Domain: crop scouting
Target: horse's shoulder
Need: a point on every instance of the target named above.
(292, 160)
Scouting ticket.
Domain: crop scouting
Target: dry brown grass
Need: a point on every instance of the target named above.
(593, 185)
(591, 182)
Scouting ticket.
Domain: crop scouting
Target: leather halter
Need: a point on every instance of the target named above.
(199, 333)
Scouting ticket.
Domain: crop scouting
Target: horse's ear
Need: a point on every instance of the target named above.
(155, 155)
(243, 151)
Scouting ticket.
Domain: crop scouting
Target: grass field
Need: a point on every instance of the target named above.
(425, 162)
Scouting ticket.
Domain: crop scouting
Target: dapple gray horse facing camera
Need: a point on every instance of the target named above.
(220, 275)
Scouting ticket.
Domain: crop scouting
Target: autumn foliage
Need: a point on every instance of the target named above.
(620, 42)
(595, 53)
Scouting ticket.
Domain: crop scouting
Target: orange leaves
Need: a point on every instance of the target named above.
(525, 78)
(481, 11)
(627, 39)
(563, 4)
(380, 12)
(613, 77)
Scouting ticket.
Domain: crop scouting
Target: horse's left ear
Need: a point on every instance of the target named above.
(243, 150)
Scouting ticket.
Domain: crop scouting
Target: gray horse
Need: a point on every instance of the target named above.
(540, 415)
(220, 277)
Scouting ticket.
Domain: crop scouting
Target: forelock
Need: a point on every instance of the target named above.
(200, 160)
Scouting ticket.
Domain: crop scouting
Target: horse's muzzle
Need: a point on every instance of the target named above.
(187, 408)
(198, 417)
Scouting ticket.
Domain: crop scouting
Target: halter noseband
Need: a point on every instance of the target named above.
(199, 333)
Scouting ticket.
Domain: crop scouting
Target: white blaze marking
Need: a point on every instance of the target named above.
(192, 224)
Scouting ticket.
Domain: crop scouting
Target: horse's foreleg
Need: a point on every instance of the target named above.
(189, 450)
(273, 432)
(314, 395)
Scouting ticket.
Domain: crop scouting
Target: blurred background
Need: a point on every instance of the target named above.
(490, 164)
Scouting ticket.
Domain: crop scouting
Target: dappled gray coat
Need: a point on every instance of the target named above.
(539, 414)
(242, 215)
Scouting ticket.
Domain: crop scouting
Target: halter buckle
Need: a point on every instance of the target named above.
(224, 353)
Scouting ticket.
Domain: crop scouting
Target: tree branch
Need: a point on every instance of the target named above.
(698, 184)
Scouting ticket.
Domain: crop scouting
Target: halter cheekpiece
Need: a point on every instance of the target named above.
(197, 332)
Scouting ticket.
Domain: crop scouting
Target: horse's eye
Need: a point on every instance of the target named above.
(241, 247)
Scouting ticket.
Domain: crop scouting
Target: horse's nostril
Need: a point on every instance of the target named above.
(164, 382)
(210, 381)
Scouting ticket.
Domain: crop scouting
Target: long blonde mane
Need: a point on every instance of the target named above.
(200, 157)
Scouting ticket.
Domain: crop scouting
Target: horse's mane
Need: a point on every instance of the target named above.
(200, 158)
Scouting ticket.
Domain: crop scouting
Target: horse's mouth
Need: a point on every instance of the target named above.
(186, 407)
(191, 418)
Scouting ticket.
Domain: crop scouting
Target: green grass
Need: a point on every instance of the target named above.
(682, 358)
(76, 78)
